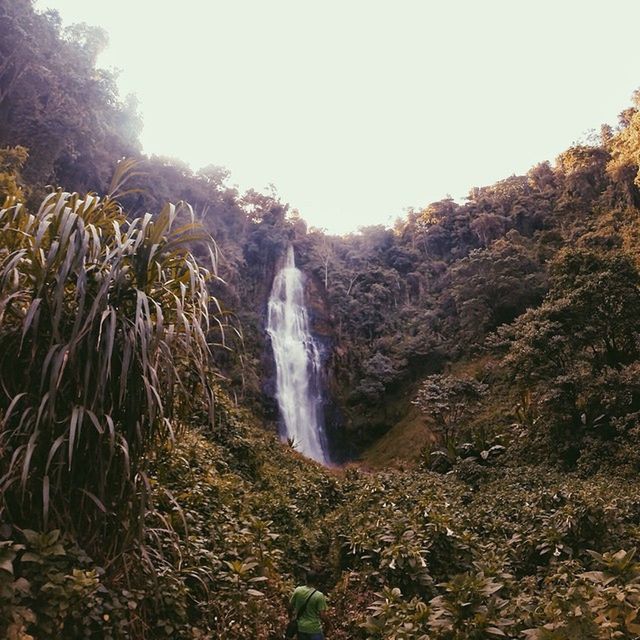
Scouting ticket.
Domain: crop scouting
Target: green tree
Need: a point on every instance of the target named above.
(54, 101)
(624, 165)
(577, 351)
(449, 401)
(11, 162)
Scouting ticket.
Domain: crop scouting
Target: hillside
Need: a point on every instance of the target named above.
(390, 305)
(236, 518)
(481, 367)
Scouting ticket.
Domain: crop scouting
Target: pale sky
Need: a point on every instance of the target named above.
(358, 109)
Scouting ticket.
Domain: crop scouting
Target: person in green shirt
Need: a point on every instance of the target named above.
(310, 621)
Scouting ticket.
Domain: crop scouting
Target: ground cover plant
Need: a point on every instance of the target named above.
(192, 521)
(528, 553)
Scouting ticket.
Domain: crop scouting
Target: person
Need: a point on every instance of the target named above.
(311, 619)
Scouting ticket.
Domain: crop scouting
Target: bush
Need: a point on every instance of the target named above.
(103, 350)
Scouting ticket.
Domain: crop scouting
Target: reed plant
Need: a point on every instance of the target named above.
(103, 355)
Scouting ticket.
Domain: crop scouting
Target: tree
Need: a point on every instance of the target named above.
(583, 170)
(624, 165)
(54, 102)
(378, 373)
(583, 337)
(449, 401)
(488, 227)
(11, 162)
(492, 286)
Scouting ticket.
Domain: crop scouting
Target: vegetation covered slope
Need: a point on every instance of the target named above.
(236, 518)
(393, 305)
(183, 518)
(416, 300)
(139, 501)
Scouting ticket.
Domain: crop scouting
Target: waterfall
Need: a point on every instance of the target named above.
(297, 360)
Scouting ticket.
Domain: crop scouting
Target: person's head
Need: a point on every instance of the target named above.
(312, 577)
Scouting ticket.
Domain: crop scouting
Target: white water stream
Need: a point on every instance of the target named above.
(297, 362)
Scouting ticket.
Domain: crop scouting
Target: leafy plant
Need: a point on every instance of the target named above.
(103, 352)
(448, 401)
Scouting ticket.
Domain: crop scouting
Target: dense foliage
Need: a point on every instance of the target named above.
(490, 551)
(139, 501)
(54, 101)
(102, 348)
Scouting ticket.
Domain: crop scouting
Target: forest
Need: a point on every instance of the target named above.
(481, 363)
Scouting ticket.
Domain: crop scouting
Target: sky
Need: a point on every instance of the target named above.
(356, 110)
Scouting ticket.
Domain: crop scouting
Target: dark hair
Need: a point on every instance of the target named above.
(313, 576)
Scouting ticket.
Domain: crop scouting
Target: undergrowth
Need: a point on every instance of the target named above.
(236, 518)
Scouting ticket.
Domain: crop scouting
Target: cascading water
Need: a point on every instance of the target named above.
(297, 362)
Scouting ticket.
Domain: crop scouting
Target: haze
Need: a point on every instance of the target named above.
(357, 110)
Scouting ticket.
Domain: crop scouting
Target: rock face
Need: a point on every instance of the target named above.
(322, 328)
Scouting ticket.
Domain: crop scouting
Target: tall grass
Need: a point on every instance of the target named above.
(103, 350)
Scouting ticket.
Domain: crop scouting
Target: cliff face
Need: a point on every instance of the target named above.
(323, 330)
(267, 362)
(352, 422)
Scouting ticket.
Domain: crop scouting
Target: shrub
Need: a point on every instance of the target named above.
(103, 350)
